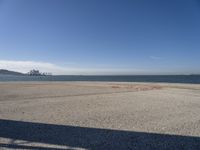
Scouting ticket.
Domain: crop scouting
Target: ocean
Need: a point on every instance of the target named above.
(194, 79)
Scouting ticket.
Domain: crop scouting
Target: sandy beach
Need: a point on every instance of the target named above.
(99, 115)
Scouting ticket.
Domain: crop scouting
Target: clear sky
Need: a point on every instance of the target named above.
(101, 36)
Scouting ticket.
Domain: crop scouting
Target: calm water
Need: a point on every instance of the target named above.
(139, 78)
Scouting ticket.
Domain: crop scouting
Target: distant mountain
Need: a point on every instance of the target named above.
(7, 72)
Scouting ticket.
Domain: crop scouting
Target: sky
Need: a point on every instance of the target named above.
(91, 37)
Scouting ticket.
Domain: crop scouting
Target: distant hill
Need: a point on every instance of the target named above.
(7, 72)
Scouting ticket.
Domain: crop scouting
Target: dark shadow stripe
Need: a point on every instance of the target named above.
(94, 138)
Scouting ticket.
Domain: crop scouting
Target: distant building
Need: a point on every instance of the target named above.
(38, 73)
(34, 73)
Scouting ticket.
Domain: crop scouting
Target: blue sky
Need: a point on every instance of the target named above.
(101, 37)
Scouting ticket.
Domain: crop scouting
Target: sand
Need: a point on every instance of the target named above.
(99, 115)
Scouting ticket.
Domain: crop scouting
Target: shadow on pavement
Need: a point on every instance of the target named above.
(90, 138)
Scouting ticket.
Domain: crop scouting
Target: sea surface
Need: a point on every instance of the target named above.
(195, 79)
